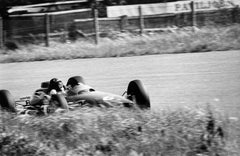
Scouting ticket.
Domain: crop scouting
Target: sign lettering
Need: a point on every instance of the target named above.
(182, 7)
(200, 5)
(171, 7)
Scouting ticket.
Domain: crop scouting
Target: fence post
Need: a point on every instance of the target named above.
(193, 15)
(96, 26)
(47, 30)
(123, 23)
(141, 20)
(235, 13)
(1, 32)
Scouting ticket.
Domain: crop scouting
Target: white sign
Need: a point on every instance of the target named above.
(133, 10)
(204, 5)
(171, 7)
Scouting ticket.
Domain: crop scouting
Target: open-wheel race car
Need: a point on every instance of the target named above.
(76, 94)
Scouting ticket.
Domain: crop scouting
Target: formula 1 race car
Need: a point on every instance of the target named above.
(135, 96)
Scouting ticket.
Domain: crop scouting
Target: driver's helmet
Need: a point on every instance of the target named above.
(55, 84)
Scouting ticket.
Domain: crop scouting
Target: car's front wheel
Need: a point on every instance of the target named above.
(7, 101)
(138, 94)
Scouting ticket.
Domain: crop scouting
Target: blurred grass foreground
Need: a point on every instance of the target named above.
(182, 40)
(121, 132)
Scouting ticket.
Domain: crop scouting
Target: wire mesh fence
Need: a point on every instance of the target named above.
(62, 26)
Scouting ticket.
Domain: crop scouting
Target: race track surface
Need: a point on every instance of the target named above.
(177, 80)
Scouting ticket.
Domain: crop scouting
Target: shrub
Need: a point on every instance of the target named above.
(126, 44)
(120, 131)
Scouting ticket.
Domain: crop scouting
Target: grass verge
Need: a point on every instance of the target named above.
(180, 41)
(121, 132)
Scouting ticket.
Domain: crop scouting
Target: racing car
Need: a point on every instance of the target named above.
(135, 96)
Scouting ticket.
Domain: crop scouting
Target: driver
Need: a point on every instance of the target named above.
(56, 87)
(76, 85)
(41, 96)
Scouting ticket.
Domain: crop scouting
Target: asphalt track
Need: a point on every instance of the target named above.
(173, 81)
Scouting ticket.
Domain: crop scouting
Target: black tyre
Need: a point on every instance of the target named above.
(7, 101)
(137, 93)
(75, 80)
(60, 100)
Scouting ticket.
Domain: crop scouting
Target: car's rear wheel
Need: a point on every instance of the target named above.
(60, 100)
(138, 94)
(7, 101)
